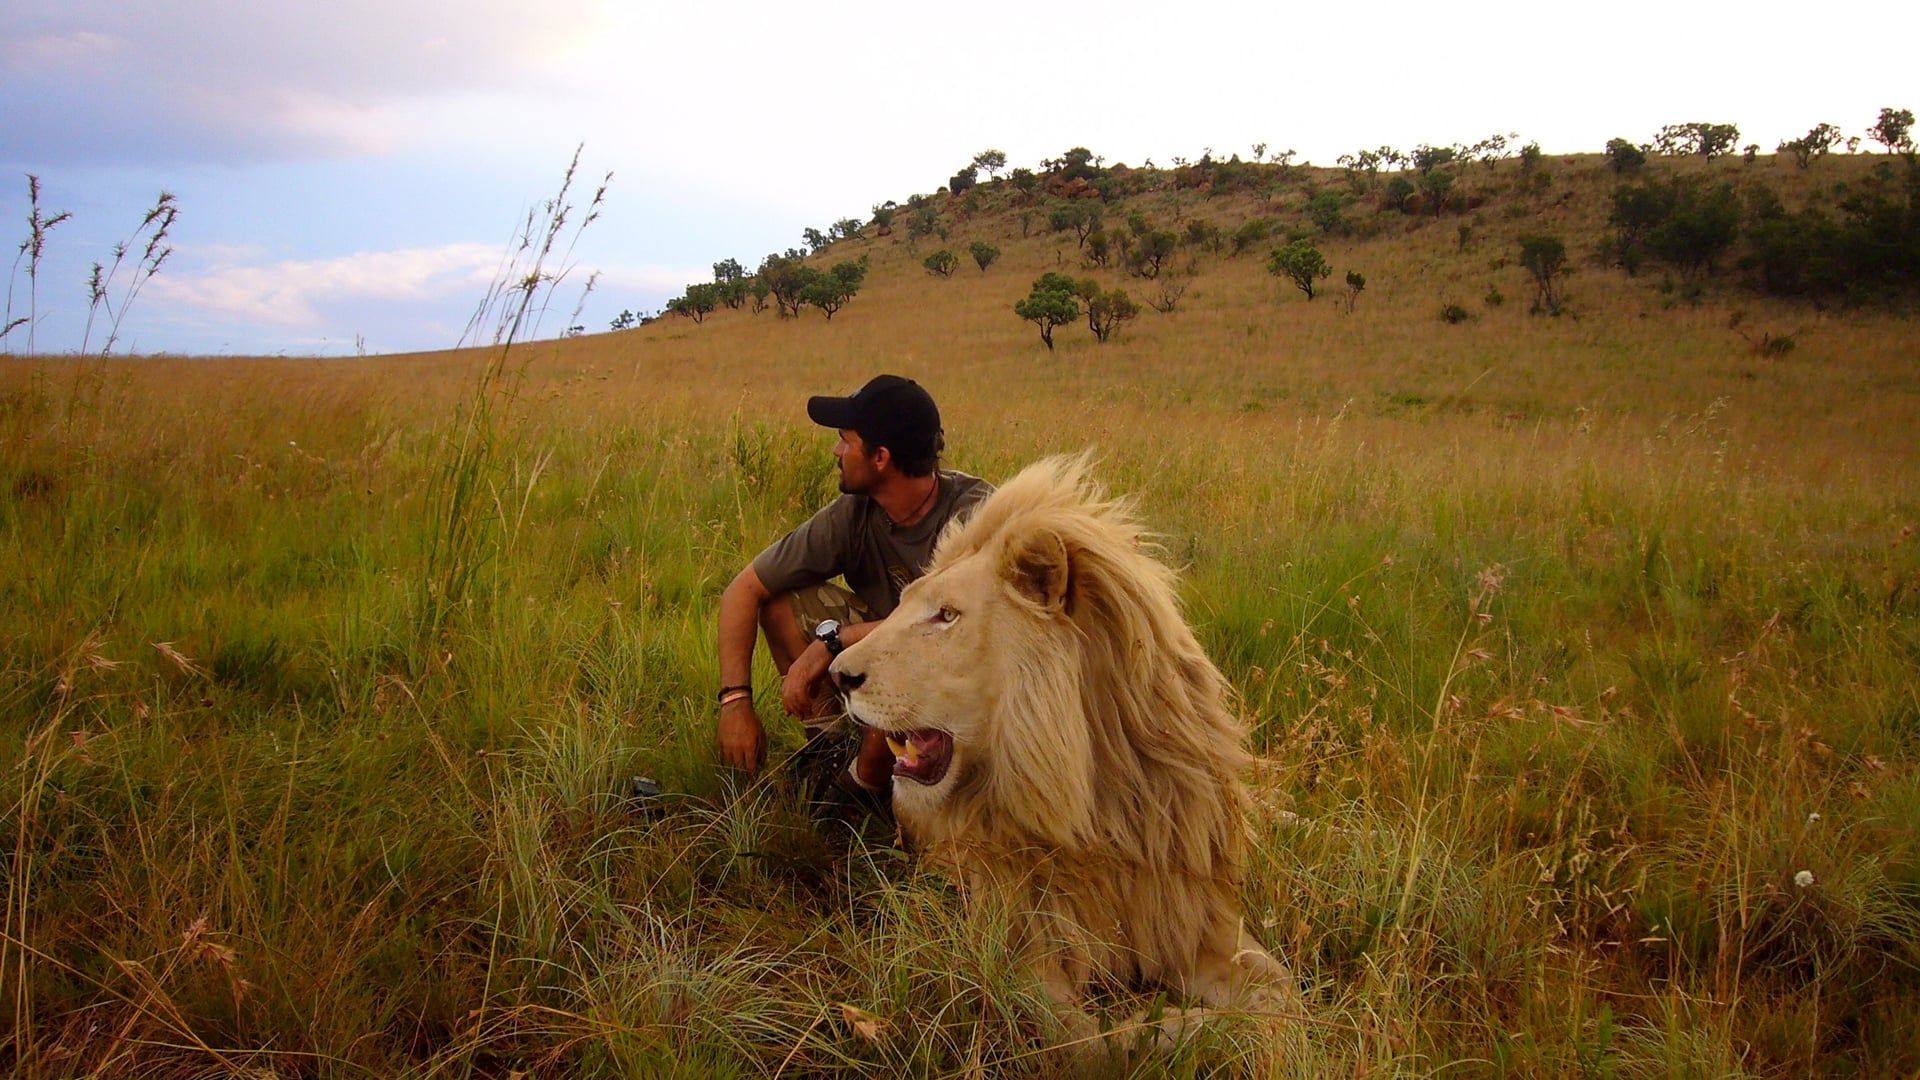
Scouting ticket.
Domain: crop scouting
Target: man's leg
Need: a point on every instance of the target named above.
(788, 620)
(785, 641)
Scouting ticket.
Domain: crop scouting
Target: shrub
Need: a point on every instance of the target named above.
(1454, 314)
(941, 262)
(1324, 210)
(1699, 226)
(1624, 156)
(984, 253)
(1400, 191)
(1203, 234)
(883, 218)
(1301, 263)
(1251, 232)
(963, 179)
(1530, 157)
(815, 239)
(1545, 257)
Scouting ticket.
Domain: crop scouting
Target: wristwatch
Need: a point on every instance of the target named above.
(828, 633)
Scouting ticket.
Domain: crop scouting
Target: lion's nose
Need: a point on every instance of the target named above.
(848, 680)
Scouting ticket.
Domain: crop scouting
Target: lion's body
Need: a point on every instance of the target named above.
(1091, 783)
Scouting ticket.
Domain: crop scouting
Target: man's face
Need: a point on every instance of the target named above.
(857, 471)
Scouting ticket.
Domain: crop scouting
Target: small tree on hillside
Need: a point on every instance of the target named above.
(983, 254)
(941, 262)
(992, 161)
(1051, 303)
(1545, 257)
(784, 275)
(1816, 143)
(1301, 263)
(883, 218)
(1356, 281)
(1624, 156)
(845, 229)
(758, 290)
(1251, 232)
(1151, 252)
(1435, 187)
(696, 303)
(832, 289)
(1700, 226)
(1107, 310)
(1894, 130)
(1694, 137)
(1099, 247)
(1325, 210)
(964, 179)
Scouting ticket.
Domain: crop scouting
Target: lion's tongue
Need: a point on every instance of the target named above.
(922, 755)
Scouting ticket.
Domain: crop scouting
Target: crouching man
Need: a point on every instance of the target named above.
(877, 537)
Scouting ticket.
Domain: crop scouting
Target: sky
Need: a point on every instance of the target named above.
(349, 174)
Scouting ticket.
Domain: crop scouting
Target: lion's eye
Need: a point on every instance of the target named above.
(945, 614)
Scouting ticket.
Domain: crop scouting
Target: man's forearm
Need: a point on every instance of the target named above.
(739, 626)
(856, 631)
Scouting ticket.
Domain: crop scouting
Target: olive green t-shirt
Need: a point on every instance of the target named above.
(851, 537)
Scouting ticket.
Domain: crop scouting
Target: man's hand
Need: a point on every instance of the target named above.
(805, 692)
(742, 739)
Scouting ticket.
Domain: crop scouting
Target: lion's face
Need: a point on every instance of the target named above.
(938, 675)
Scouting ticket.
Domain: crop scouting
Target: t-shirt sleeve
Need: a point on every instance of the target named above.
(970, 499)
(815, 551)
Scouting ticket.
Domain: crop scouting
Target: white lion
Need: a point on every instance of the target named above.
(1064, 743)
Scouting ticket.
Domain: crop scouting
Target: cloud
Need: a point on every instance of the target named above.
(296, 294)
(237, 81)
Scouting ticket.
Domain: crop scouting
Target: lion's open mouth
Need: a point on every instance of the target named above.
(921, 756)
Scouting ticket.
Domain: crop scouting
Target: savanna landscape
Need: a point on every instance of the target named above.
(1555, 533)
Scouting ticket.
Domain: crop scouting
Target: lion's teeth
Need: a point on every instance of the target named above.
(899, 748)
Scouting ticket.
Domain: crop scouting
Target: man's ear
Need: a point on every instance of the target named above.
(882, 457)
(1040, 568)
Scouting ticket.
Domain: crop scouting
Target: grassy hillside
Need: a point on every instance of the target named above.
(1578, 652)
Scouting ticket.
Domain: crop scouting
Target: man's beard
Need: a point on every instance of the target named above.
(849, 488)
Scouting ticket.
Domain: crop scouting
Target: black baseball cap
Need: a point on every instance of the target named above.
(889, 411)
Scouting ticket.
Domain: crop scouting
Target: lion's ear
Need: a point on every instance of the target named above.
(1039, 567)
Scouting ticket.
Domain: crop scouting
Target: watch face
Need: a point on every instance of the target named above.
(826, 629)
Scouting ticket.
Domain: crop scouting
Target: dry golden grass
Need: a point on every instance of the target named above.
(1567, 643)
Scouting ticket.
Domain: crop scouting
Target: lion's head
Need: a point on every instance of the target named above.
(1048, 704)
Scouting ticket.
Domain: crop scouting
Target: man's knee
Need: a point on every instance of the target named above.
(784, 639)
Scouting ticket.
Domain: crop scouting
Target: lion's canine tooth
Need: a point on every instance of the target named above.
(899, 748)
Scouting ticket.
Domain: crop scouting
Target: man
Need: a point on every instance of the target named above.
(878, 536)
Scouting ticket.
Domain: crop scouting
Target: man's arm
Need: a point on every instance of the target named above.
(805, 691)
(741, 737)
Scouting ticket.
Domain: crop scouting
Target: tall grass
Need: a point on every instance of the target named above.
(1567, 647)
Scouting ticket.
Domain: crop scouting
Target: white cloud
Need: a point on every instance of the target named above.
(237, 80)
(294, 294)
